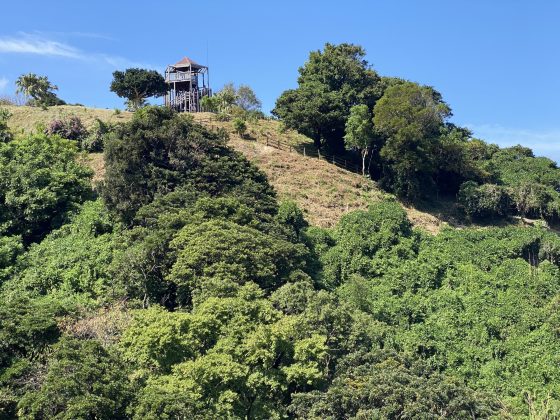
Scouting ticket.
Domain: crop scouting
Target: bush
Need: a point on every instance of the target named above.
(96, 136)
(83, 380)
(70, 128)
(5, 134)
(209, 104)
(240, 127)
(40, 181)
(10, 248)
(480, 201)
(159, 151)
(222, 116)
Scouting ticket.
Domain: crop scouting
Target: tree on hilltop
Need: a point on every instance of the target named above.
(136, 85)
(329, 84)
(411, 117)
(39, 88)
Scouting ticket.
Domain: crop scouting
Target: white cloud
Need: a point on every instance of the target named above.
(30, 44)
(543, 142)
(38, 44)
(3, 84)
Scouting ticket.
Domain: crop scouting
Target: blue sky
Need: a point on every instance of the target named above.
(496, 62)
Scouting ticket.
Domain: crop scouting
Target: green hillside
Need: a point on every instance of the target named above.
(324, 192)
(357, 256)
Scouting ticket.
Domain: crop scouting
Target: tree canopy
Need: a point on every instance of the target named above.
(329, 84)
(136, 85)
(40, 181)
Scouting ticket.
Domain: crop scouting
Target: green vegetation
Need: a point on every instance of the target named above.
(39, 89)
(360, 134)
(241, 102)
(402, 129)
(5, 134)
(330, 83)
(136, 85)
(181, 288)
(40, 182)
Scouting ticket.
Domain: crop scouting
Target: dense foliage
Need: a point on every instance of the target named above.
(329, 84)
(156, 153)
(70, 128)
(136, 85)
(5, 133)
(186, 291)
(402, 130)
(241, 102)
(40, 181)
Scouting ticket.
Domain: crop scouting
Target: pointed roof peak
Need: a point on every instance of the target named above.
(187, 62)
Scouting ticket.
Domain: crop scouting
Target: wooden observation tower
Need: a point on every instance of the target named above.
(188, 83)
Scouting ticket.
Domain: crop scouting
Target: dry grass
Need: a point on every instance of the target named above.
(96, 162)
(105, 324)
(25, 119)
(324, 191)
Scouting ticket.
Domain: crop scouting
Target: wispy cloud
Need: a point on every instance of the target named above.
(76, 34)
(3, 84)
(40, 45)
(30, 44)
(543, 142)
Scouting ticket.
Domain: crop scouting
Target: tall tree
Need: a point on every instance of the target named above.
(158, 151)
(247, 99)
(136, 85)
(329, 84)
(411, 117)
(359, 132)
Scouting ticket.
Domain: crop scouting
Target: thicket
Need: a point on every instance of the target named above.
(401, 132)
(185, 290)
(71, 127)
(239, 102)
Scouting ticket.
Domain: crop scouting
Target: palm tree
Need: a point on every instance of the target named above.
(39, 88)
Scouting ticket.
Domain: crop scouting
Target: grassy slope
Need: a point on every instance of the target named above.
(324, 191)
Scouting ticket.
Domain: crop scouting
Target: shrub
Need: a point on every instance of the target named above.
(5, 134)
(83, 380)
(240, 127)
(158, 151)
(222, 116)
(70, 128)
(96, 136)
(209, 104)
(40, 181)
(487, 200)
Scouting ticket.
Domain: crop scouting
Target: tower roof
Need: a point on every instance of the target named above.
(187, 62)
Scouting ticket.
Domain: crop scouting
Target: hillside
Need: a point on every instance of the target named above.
(184, 289)
(324, 191)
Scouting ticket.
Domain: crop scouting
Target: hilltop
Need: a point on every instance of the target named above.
(324, 191)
